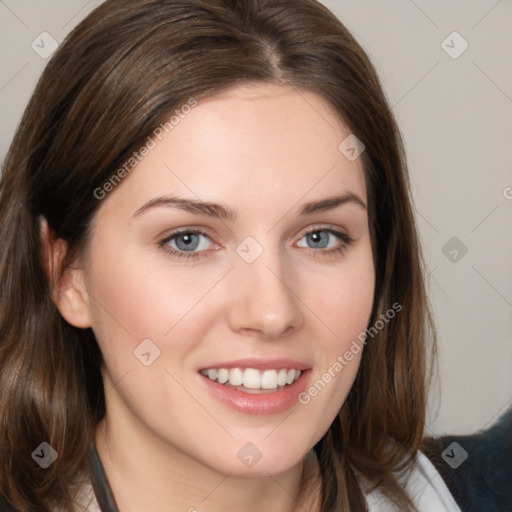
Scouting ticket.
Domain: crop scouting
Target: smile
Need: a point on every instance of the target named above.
(256, 385)
(252, 380)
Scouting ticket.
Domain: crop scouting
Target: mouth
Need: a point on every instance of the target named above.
(256, 386)
(252, 380)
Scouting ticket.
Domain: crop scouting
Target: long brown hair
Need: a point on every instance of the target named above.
(117, 77)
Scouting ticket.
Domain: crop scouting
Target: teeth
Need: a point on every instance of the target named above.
(236, 377)
(281, 377)
(251, 378)
(222, 375)
(269, 379)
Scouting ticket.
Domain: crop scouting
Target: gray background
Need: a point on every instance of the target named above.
(456, 118)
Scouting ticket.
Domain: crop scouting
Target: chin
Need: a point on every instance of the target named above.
(260, 458)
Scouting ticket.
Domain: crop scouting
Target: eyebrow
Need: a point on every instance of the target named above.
(219, 211)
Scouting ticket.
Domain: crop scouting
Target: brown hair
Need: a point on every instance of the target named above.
(118, 76)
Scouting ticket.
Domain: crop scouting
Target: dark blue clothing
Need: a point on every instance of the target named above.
(483, 481)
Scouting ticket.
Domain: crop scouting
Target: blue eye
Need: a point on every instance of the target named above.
(318, 239)
(328, 240)
(189, 243)
(186, 244)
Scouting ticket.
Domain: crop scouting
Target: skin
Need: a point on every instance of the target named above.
(167, 444)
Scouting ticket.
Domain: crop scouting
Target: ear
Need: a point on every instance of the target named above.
(68, 287)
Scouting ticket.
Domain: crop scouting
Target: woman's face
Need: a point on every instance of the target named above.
(239, 248)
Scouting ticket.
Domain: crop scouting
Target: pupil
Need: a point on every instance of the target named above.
(319, 239)
(187, 241)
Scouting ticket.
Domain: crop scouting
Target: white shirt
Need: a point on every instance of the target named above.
(425, 487)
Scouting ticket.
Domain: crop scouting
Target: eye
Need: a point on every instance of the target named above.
(329, 241)
(186, 243)
(189, 243)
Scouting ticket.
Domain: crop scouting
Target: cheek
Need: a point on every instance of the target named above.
(344, 300)
(142, 297)
(135, 297)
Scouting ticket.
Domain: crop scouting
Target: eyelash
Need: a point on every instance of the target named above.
(346, 242)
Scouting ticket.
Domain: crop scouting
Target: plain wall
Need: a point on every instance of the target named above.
(456, 118)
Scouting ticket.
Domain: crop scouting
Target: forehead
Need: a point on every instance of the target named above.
(252, 145)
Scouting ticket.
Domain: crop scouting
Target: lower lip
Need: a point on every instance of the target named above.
(264, 403)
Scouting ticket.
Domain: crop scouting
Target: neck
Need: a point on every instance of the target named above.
(145, 473)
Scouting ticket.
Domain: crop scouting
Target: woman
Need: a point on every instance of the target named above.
(211, 285)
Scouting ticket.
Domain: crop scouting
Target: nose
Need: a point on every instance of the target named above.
(263, 303)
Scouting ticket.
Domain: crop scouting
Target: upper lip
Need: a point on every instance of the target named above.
(259, 364)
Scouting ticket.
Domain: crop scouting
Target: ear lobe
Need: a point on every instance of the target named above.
(71, 298)
(68, 288)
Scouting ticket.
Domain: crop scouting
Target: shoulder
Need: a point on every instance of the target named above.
(424, 486)
(480, 481)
